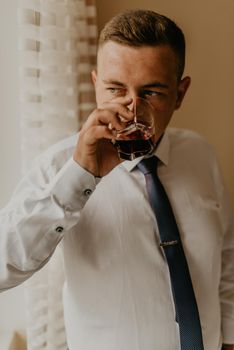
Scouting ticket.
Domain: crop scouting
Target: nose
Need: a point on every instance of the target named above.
(136, 101)
(131, 106)
(134, 97)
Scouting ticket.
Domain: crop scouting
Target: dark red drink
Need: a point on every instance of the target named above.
(136, 143)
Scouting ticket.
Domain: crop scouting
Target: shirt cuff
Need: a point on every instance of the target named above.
(73, 186)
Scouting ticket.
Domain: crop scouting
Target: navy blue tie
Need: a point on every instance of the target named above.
(187, 314)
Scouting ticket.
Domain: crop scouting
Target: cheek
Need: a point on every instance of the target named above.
(161, 122)
(101, 95)
(163, 114)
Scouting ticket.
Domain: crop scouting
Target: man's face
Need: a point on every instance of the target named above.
(147, 72)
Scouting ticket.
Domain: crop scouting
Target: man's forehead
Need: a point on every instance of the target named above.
(118, 62)
(112, 51)
(150, 84)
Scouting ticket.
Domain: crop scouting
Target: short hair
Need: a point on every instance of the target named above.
(138, 28)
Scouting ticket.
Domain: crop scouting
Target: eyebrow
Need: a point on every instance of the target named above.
(113, 82)
(155, 84)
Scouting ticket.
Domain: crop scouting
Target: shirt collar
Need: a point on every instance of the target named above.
(161, 152)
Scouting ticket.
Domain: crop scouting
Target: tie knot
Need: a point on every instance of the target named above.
(148, 165)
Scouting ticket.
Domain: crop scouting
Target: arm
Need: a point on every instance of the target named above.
(48, 201)
(42, 209)
(227, 272)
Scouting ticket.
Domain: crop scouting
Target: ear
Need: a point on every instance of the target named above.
(94, 76)
(182, 89)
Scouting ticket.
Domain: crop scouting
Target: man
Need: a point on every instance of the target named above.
(118, 292)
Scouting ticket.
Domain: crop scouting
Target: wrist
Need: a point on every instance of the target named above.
(90, 166)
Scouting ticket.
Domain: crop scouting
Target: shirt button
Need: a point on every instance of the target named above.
(59, 229)
(87, 192)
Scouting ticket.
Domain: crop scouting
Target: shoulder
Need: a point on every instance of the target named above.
(191, 149)
(188, 140)
(185, 135)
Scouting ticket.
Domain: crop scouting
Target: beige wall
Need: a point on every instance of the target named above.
(209, 105)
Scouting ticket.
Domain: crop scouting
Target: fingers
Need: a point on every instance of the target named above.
(121, 106)
(113, 115)
(97, 132)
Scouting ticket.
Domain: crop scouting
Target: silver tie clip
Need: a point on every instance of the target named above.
(168, 243)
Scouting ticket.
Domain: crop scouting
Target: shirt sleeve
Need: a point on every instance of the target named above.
(42, 209)
(227, 276)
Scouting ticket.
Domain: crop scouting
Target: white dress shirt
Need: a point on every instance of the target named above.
(117, 294)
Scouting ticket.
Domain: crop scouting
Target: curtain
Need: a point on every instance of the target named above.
(57, 51)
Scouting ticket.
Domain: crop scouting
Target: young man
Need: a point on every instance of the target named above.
(118, 293)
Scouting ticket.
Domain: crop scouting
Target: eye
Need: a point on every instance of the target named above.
(115, 90)
(152, 93)
(112, 90)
